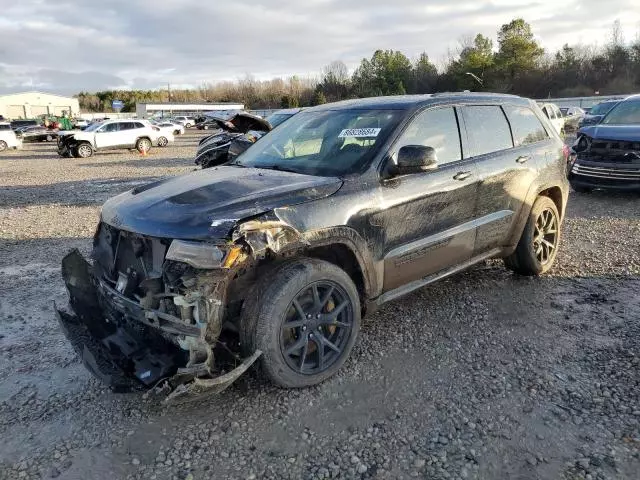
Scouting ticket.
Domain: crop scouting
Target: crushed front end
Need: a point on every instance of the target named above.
(606, 163)
(141, 318)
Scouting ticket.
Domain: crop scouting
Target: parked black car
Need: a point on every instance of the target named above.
(608, 154)
(278, 255)
(597, 113)
(233, 137)
(243, 129)
(16, 124)
(36, 134)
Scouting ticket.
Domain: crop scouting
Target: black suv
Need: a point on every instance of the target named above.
(277, 255)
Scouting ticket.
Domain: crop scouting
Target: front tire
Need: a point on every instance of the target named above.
(84, 150)
(537, 249)
(305, 318)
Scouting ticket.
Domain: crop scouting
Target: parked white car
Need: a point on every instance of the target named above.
(174, 128)
(8, 137)
(112, 134)
(555, 116)
(187, 122)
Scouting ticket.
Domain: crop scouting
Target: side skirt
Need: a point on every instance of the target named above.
(410, 287)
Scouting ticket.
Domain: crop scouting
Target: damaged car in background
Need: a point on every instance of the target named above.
(234, 136)
(607, 155)
(275, 257)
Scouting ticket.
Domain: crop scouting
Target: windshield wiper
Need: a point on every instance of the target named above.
(277, 167)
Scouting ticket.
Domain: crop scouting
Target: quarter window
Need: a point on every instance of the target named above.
(487, 128)
(526, 126)
(437, 128)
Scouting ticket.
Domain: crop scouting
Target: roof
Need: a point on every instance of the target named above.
(408, 102)
(37, 92)
(180, 104)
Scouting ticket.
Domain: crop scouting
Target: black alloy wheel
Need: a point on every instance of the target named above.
(316, 327)
(545, 240)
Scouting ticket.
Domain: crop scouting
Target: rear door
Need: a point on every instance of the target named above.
(509, 145)
(427, 220)
(128, 134)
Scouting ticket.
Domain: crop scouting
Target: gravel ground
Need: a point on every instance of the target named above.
(484, 375)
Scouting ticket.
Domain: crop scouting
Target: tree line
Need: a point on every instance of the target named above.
(518, 64)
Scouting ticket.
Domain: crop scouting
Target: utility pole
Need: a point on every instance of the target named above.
(169, 90)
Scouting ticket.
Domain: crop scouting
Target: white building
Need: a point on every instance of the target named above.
(34, 104)
(146, 110)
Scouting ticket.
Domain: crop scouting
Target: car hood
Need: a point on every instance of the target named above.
(208, 204)
(630, 133)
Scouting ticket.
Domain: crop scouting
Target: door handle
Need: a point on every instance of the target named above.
(462, 175)
(522, 159)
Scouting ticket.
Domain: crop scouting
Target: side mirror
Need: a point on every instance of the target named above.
(416, 159)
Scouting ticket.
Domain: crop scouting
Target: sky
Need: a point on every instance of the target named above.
(67, 46)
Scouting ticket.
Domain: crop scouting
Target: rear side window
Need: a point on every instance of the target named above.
(437, 128)
(138, 125)
(526, 126)
(487, 128)
(126, 126)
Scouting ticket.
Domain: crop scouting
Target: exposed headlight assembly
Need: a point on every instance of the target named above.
(202, 255)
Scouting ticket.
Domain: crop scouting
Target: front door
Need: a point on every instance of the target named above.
(426, 220)
(108, 136)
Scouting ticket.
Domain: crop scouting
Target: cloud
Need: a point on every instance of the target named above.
(71, 45)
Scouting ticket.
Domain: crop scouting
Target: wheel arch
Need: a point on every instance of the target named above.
(555, 194)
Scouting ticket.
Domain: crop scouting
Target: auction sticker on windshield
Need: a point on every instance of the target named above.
(359, 132)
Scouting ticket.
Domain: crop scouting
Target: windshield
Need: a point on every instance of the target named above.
(326, 143)
(93, 127)
(623, 114)
(277, 118)
(602, 108)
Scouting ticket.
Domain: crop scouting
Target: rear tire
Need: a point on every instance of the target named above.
(143, 145)
(3, 145)
(288, 316)
(537, 249)
(163, 141)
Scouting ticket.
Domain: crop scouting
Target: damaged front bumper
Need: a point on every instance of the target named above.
(130, 347)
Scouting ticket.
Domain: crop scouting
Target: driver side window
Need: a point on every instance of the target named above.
(436, 128)
(112, 127)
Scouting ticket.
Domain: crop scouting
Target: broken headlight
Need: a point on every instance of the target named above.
(203, 255)
(196, 254)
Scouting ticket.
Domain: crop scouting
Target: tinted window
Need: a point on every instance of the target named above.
(138, 125)
(525, 125)
(5, 127)
(127, 126)
(487, 128)
(438, 129)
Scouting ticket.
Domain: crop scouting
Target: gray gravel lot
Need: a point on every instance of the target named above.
(484, 375)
